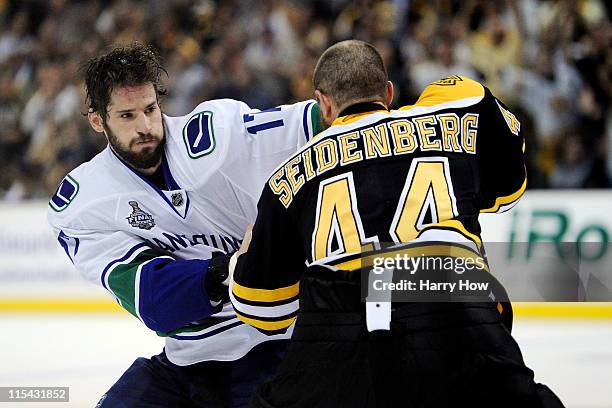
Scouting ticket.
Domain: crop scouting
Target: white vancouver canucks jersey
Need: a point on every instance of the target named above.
(149, 247)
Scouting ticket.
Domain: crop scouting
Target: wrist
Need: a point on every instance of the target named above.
(216, 277)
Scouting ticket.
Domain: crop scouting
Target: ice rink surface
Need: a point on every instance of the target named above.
(88, 352)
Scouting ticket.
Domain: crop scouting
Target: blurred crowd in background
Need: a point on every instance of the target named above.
(549, 60)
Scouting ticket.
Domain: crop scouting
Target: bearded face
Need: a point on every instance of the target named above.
(134, 126)
(142, 152)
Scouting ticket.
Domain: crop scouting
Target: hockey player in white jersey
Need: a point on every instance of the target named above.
(147, 217)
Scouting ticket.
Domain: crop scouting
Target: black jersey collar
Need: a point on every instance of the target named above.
(357, 110)
(361, 108)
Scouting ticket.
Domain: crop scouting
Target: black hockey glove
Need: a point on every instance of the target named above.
(217, 278)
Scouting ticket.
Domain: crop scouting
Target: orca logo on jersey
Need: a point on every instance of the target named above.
(139, 218)
(65, 193)
(198, 135)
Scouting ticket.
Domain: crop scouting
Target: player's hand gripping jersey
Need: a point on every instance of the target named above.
(150, 248)
(424, 172)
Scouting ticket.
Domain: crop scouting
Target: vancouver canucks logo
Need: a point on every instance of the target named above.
(177, 199)
(199, 135)
(139, 218)
(66, 192)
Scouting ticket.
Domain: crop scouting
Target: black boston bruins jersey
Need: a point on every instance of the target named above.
(424, 171)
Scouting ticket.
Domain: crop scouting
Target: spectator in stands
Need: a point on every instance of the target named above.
(549, 59)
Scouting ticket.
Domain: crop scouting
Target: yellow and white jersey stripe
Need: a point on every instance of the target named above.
(269, 310)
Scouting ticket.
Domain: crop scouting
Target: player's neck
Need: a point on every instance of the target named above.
(149, 171)
(361, 107)
(157, 178)
(143, 171)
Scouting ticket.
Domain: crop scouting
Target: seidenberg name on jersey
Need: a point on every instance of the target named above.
(446, 132)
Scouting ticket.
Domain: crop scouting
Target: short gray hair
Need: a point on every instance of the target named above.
(351, 71)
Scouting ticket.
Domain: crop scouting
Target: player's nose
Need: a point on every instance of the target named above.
(144, 124)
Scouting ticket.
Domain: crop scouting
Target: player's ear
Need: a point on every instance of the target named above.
(96, 122)
(326, 105)
(389, 96)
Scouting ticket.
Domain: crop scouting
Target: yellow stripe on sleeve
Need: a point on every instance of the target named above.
(265, 295)
(506, 199)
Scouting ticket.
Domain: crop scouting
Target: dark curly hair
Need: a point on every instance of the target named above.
(135, 64)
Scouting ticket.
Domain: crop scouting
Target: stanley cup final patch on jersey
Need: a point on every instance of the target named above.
(511, 120)
(198, 135)
(65, 193)
(139, 218)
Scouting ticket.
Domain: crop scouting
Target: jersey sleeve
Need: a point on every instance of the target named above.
(264, 139)
(284, 127)
(455, 91)
(272, 135)
(162, 292)
(501, 146)
(265, 284)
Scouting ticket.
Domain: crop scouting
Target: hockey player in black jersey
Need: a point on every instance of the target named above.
(419, 177)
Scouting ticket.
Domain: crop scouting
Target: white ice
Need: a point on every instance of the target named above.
(88, 352)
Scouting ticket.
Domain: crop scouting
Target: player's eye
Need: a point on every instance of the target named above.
(126, 115)
(150, 109)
